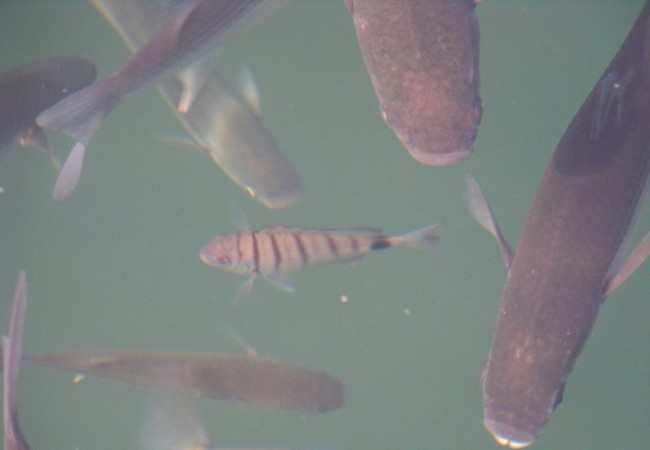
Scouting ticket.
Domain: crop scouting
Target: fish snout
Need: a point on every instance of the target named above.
(509, 436)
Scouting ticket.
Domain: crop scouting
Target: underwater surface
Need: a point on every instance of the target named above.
(116, 264)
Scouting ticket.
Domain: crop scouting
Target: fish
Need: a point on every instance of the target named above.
(422, 57)
(195, 26)
(571, 254)
(274, 252)
(255, 381)
(229, 130)
(14, 438)
(27, 90)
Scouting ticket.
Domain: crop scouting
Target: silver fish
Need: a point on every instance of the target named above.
(11, 356)
(230, 131)
(569, 256)
(422, 58)
(196, 26)
(273, 252)
(30, 89)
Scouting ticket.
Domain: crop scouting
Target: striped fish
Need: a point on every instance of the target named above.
(273, 252)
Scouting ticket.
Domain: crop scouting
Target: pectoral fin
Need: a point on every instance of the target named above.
(193, 79)
(636, 258)
(280, 280)
(480, 209)
(69, 176)
(244, 290)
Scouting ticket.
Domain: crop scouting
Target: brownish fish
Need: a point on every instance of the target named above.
(422, 58)
(569, 256)
(253, 380)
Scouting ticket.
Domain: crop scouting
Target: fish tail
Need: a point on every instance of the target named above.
(80, 114)
(425, 237)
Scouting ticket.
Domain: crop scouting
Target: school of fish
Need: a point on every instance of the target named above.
(422, 59)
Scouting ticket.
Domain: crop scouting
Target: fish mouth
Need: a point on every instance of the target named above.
(508, 436)
(205, 258)
(442, 159)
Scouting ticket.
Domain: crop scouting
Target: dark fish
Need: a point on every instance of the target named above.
(28, 90)
(273, 252)
(11, 355)
(196, 25)
(229, 130)
(253, 380)
(422, 58)
(569, 255)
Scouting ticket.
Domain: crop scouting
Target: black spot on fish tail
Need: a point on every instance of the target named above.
(381, 243)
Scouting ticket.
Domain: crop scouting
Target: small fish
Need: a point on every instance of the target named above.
(273, 252)
(30, 89)
(422, 58)
(11, 356)
(255, 381)
(196, 26)
(228, 129)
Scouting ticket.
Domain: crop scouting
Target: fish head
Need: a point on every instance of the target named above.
(516, 417)
(223, 252)
(518, 437)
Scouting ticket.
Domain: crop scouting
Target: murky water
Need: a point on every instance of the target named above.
(116, 265)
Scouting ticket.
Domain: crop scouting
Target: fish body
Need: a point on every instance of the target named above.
(196, 26)
(253, 380)
(28, 90)
(568, 258)
(11, 358)
(274, 252)
(422, 57)
(229, 130)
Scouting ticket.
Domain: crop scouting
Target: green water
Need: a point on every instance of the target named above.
(116, 266)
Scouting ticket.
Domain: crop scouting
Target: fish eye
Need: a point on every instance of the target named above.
(223, 261)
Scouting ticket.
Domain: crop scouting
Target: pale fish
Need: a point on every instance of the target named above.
(273, 252)
(196, 26)
(228, 129)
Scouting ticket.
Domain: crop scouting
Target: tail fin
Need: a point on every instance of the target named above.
(78, 115)
(425, 237)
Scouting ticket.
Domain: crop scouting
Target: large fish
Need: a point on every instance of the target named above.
(274, 252)
(252, 380)
(569, 255)
(422, 58)
(196, 26)
(12, 351)
(227, 129)
(28, 90)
